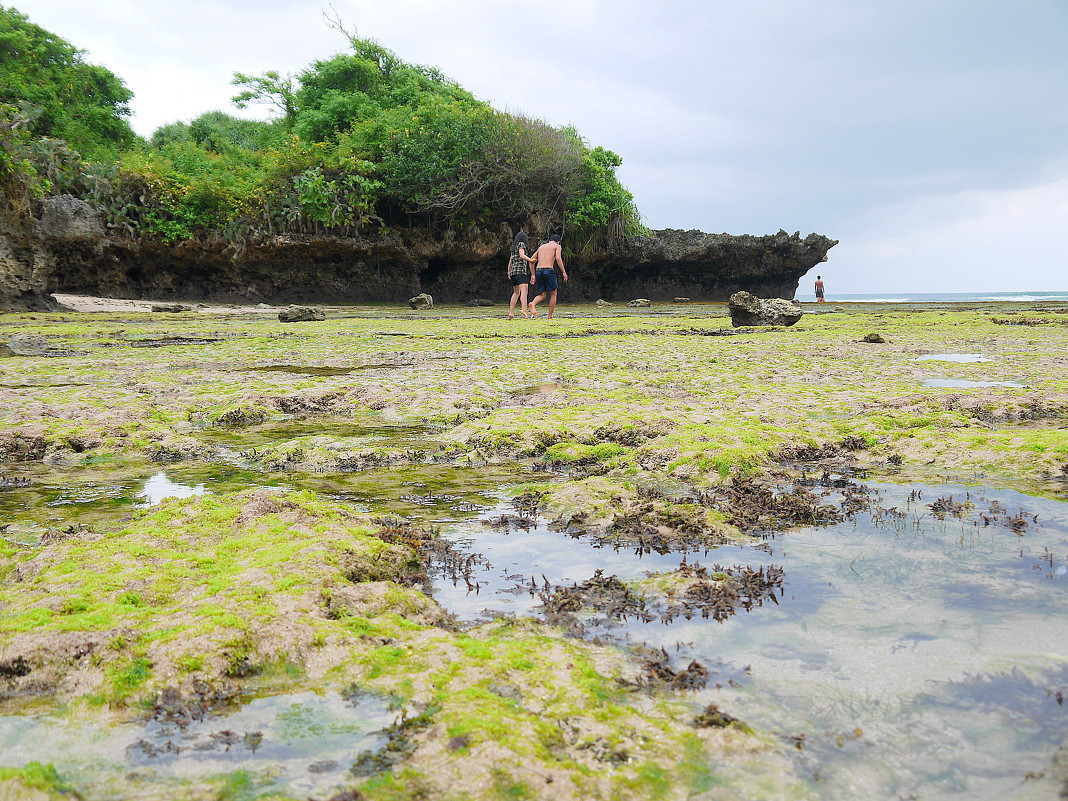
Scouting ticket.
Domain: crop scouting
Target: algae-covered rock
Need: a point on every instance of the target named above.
(602, 303)
(480, 302)
(171, 308)
(875, 339)
(26, 345)
(301, 314)
(421, 301)
(640, 303)
(748, 309)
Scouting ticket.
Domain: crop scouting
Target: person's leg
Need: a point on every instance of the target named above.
(535, 302)
(523, 297)
(552, 302)
(511, 303)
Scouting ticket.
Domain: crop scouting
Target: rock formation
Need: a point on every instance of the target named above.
(65, 249)
(747, 309)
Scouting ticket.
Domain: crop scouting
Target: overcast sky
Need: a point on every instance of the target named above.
(929, 136)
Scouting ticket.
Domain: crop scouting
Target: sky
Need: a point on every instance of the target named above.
(930, 137)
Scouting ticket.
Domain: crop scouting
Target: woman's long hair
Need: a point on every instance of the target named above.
(521, 239)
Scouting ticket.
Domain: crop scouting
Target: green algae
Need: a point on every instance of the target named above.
(267, 591)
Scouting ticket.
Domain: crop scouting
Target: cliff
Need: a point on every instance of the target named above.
(65, 248)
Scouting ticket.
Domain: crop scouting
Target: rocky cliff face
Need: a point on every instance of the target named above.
(66, 249)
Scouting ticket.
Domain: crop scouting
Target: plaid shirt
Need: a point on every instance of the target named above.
(516, 266)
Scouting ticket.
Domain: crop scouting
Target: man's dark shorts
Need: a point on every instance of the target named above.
(519, 279)
(546, 281)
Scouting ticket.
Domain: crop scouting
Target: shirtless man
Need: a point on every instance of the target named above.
(546, 256)
(819, 289)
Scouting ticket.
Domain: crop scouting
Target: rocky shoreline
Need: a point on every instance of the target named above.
(66, 248)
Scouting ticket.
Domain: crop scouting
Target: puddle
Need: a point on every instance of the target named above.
(958, 383)
(162, 342)
(296, 744)
(158, 487)
(357, 432)
(911, 654)
(300, 369)
(959, 358)
(544, 388)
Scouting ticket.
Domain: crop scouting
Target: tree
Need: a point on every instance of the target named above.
(85, 104)
(271, 88)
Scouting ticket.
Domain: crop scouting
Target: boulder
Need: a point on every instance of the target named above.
(747, 309)
(602, 303)
(639, 303)
(680, 300)
(173, 308)
(876, 339)
(301, 314)
(421, 301)
(480, 302)
(65, 218)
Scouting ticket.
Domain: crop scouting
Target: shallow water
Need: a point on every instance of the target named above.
(300, 744)
(914, 657)
(959, 383)
(959, 358)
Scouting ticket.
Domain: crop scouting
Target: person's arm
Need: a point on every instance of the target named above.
(560, 261)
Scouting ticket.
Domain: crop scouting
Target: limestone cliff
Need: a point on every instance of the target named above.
(66, 249)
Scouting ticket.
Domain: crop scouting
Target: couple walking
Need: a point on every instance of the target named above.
(524, 270)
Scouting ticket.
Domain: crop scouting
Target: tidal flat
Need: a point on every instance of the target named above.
(625, 553)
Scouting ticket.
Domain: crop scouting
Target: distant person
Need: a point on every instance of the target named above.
(547, 256)
(520, 273)
(819, 290)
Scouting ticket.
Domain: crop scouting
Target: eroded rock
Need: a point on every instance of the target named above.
(301, 314)
(421, 301)
(747, 309)
(480, 302)
(640, 303)
(172, 308)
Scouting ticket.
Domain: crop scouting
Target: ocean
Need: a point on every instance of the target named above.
(937, 297)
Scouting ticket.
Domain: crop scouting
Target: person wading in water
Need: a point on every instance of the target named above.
(547, 255)
(520, 273)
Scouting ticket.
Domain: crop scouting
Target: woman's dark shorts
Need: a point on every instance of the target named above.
(519, 279)
(546, 281)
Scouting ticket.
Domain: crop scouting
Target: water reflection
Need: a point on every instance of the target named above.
(917, 652)
(959, 358)
(158, 487)
(298, 744)
(960, 383)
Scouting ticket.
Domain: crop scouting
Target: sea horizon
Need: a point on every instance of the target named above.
(921, 297)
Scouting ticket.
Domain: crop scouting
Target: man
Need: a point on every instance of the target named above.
(545, 257)
(819, 289)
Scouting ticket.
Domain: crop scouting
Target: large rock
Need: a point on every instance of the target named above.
(301, 314)
(748, 309)
(640, 303)
(421, 301)
(65, 218)
(480, 302)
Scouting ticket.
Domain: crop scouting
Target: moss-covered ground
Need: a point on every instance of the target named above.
(289, 585)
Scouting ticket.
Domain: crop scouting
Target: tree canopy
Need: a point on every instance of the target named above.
(61, 94)
(359, 140)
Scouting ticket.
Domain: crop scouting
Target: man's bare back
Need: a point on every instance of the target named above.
(549, 254)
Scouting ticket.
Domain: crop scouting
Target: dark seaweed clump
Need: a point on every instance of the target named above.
(399, 742)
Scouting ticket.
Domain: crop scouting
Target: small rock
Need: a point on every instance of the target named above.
(172, 308)
(874, 338)
(680, 300)
(640, 303)
(263, 306)
(479, 302)
(421, 301)
(301, 314)
(747, 309)
(602, 303)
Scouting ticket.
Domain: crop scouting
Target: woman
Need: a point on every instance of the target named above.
(520, 274)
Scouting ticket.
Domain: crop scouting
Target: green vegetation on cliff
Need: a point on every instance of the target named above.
(363, 139)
